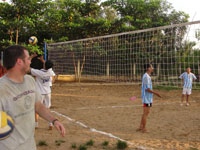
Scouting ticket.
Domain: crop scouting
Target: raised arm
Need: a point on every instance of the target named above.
(43, 61)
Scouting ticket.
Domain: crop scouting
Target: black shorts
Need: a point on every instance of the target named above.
(147, 105)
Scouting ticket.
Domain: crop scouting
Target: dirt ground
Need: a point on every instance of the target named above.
(104, 112)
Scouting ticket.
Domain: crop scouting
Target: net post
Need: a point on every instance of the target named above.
(107, 69)
(45, 51)
(78, 69)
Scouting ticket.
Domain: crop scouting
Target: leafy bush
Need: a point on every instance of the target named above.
(90, 143)
(42, 143)
(82, 147)
(121, 145)
(58, 142)
(105, 143)
(73, 146)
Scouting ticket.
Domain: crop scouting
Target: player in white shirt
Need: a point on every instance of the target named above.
(187, 78)
(43, 82)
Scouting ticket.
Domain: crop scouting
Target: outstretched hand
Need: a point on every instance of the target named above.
(158, 95)
(33, 55)
(41, 58)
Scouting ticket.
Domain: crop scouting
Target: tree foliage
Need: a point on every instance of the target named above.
(63, 20)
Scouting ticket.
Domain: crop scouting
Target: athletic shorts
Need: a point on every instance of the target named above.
(46, 100)
(187, 91)
(147, 105)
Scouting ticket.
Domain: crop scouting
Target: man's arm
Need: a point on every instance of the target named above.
(45, 113)
(181, 77)
(32, 56)
(151, 91)
(147, 87)
(43, 61)
(54, 78)
(37, 73)
(194, 77)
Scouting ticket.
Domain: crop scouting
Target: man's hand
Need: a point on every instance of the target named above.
(151, 91)
(33, 55)
(41, 58)
(59, 126)
(157, 95)
(46, 114)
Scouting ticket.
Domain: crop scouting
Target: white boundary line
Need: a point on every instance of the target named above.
(100, 132)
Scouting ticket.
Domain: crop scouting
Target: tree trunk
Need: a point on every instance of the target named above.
(17, 34)
(17, 30)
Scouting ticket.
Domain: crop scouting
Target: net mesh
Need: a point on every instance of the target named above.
(121, 57)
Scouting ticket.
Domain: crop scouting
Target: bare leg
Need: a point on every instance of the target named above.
(146, 111)
(182, 98)
(36, 117)
(187, 100)
(50, 124)
(36, 120)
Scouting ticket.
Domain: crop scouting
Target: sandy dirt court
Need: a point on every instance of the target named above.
(103, 112)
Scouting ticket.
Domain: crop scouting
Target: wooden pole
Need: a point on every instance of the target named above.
(108, 69)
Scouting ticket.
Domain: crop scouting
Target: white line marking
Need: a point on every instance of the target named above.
(101, 132)
(109, 134)
(81, 124)
(127, 106)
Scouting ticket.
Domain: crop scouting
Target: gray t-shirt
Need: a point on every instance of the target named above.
(18, 100)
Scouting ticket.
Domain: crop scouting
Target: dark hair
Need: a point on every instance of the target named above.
(36, 63)
(48, 64)
(147, 66)
(11, 54)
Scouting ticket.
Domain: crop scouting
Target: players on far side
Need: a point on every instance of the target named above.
(187, 78)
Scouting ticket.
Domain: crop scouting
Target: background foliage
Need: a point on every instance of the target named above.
(64, 20)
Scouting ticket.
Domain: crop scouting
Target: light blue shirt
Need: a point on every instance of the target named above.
(147, 97)
(187, 79)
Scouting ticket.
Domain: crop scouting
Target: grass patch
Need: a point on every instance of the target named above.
(58, 142)
(73, 146)
(90, 143)
(42, 143)
(192, 148)
(105, 143)
(167, 88)
(121, 145)
(82, 147)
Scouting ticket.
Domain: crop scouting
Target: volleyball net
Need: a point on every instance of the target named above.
(121, 57)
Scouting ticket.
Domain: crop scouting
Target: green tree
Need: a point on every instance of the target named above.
(142, 14)
(19, 19)
(26, 14)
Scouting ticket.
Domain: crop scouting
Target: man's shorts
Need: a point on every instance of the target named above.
(46, 100)
(187, 91)
(147, 105)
